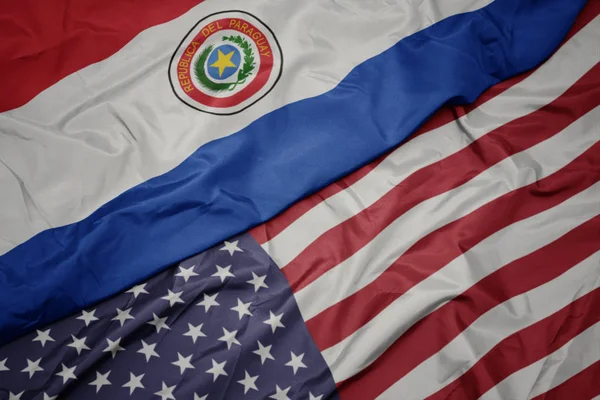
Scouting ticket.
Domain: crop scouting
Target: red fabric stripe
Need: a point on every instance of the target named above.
(433, 332)
(440, 247)
(524, 348)
(265, 232)
(336, 245)
(583, 386)
(536, 341)
(44, 41)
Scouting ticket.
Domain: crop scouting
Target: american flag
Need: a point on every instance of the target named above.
(465, 264)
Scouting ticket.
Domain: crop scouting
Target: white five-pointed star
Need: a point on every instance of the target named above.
(101, 380)
(12, 396)
(223, 272)
(249, 382)
(78, 344)
(137, 290)
(183, 363)
(113, 347)
(186, 273)
(43, 337)
(258, 282)
(33, 367)
(123, 316)
(159, 323)
(280, 394)
(194, 332)
(3, 366)
(166, 393)
(67, 373)
(173, 298)
(48, 397)
(88, 317)
(242, 309)
(274, 321)
(196, 397)
(231, 247)
(135, 382)
(264, 352)
(229, 338)
(313, 397)
(148, 350)
(217, 369)
(296, 362)
(209, 301)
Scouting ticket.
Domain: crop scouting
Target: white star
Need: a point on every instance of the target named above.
(217, 369)
(296, 362)
(135, 382)
(209, 301)
(166, 393)
(223, 273)
(186, 273)
(229, 338)
(12, 396)
(194, 332)
(148, 350)
(173, 298)
(33, 367)
(101, 380)
(88, 317)
(242, 309)
(113, 347)
(196, 397)
(159, 323)
(280, 394)
(274, 321)
(43, 337)
(313, 397)
(137, 290)
(3, 366)
(264, 352)
(67, 373)
(258, 282)
(48, 397)
(123, 316)
(183, 363)
(231, 247)
(78, 344)
(249, 382)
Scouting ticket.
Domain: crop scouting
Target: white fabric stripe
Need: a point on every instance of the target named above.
(551, 371)
(356, 352)
(115, 124)
(552, 79)
(369, 262)
(491, 328)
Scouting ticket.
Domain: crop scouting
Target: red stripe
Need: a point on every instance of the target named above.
(528, 345)
(265, 232)
(44, 41)
(335, 246)
(583, 386)
(434, 331)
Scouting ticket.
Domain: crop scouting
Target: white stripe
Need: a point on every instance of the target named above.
(117, 123)
(552, 79)
(517, 171)
(356, 352)
(491, 328)
(551, 371)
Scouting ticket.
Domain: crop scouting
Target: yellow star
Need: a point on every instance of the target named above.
(223, 61)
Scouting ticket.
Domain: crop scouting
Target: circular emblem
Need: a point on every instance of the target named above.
(227, 62)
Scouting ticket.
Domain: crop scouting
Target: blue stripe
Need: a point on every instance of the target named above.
(232, 184)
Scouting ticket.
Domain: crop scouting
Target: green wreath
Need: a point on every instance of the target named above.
(243, 73)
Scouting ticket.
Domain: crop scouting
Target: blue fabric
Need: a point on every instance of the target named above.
(232, 184)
